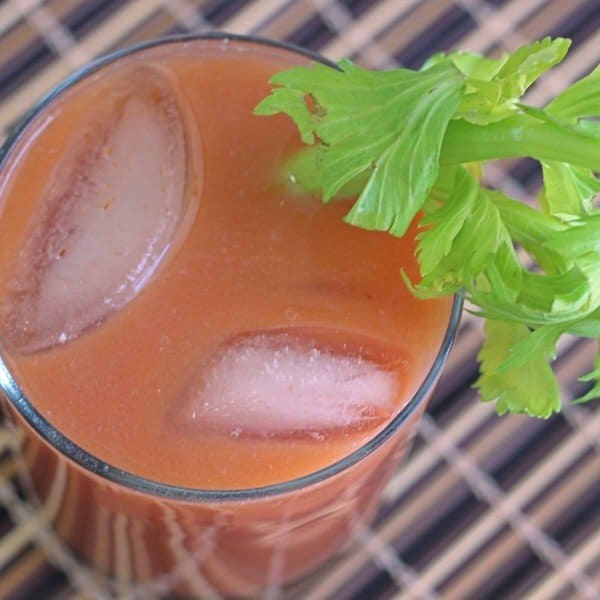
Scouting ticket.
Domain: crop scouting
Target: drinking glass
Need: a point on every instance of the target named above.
(166, 539)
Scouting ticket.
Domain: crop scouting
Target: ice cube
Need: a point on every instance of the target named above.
(114, 206)
(282, 384)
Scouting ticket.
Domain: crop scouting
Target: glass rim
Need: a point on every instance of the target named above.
(137, 483)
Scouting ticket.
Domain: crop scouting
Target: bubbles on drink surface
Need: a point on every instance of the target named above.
(295, 384)
(111, 210)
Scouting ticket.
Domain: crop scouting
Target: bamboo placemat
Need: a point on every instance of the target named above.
(485, 507)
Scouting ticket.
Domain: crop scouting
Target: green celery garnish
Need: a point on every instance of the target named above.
(408, 142)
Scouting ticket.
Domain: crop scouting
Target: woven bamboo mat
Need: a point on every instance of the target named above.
(486, 507)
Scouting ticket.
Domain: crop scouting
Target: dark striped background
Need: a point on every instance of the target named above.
(486, 507)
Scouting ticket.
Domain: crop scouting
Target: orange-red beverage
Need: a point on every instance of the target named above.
(215, 373)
